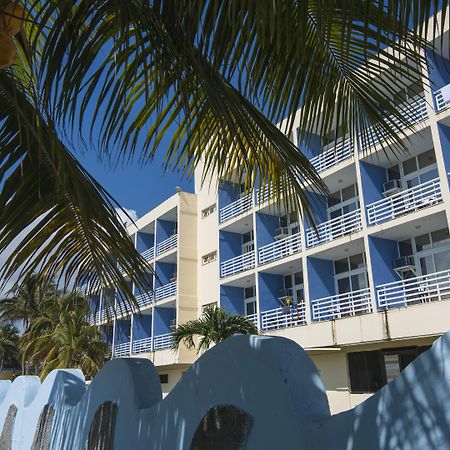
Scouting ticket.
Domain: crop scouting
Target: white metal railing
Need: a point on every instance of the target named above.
(238, 264)
(422, 289)
(145, 299)
(414, 110)
(333, 154)
(100, 316)
(341, 305)
(334, 228)
(148, 254)
(121, 350)
(238, 207)
(442, 98)
(165, 291)
(162, 341)
(263, 194)
(167, 244)
(252, 318)
(409, 200)
(142, 345)
(280, 249)
(283, 317)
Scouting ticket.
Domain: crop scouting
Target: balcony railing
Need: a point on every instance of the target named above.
(442, 98)
(341, 305)
(334, 228)
(165, 291)
(149, 254)
(238, 207)
(414, 110)
(238, 264)
(167, 244)
(333, 154)
(422, 289)
(145, 299)
(163, 341)
(100, 316)
(142, 345)
(121, 350)
(280, 249)
(283, 317)
(409, 200)
(253, 318)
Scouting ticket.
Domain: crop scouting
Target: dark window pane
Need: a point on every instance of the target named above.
(249, 292)
(423, 242)
(287, 281)
(367, 372)
(344, 285)
(426, 159)
(356, 261)
(334, 199)
(393, 173)
(341, 265)
(283, 221)
(348, 192)
(440, 237)
(405, 248)
(164, 378)
(410, 166)
(298, 278)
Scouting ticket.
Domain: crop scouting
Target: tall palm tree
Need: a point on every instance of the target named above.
(213, 76)
(25, 302)
(212, 327)
(9, 346)
(62, 338)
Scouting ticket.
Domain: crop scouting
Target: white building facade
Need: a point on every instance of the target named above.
(364, 292)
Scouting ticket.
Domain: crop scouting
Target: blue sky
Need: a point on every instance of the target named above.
(135, 187)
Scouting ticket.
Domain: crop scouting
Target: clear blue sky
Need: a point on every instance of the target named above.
(136, 187)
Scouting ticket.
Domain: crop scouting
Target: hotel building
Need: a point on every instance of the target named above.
(364, 292)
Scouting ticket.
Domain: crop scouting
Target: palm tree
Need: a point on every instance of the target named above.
(9, 342)
(62, 338)
(215, 77)
(212, 327)
(26, 301)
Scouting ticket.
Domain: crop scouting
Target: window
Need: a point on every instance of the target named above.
(164, 378)
(208, 211)
(432, 251)
(208, 305)
(248, 243)
(343, 201)
(250, 300)
(370, 371)
(210, 257)
(293, 288)
(350, 274)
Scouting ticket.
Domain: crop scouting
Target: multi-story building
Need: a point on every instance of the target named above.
(363, 291)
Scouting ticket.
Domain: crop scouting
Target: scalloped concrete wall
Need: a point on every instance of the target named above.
(265, 389)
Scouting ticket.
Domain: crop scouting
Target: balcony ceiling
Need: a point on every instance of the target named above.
(348, 248)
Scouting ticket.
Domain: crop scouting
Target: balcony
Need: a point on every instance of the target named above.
(144, 300)
(162, 341)
(341, 305)
(238, 264)
(167, 244)
(442, 98)
(334, 228)
(252, 318)
(280, 249)
(414, 110)
(238, 207)
(100, 316)
(333, 154)
(142, 345)
(412, 291)
(122, 350)
(166, 291)
(409, 200)
(149, 254)
(282, 318)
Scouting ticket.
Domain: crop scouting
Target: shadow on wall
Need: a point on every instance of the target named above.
(251, 393)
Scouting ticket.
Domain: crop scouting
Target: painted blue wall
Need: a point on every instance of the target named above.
(123, 329)
(163, 316)
(320, 278)
(232, 299)
(372, 178)
(311, 146)
(319, 207)
(439, 70)
(269, 288)
(106, 334)
(444, 135)
(94, 302)
(144, 241)
(138, 291)
(164, 271)
(227, 193)
(164, 229)
(230, 245)
(382, 255)
(265, 228)
(142, 324)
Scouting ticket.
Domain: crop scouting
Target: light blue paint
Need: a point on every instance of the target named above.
(311, 145)
(123, 329)
(382, 255)
(372, 178)
(164, 272)
(162, 319)
(149, 285)
(444, 135)
(272, 379)
(164, 229)
(320, 278)
(269, 288)
(142, 326)
(230, 245)
(144, 241)
(232, 299)
(318, 204)
(438, 69)
(227, 193)
(265, 228)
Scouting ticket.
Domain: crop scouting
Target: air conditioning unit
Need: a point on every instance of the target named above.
(281, 233)
(173, 277)
(391, 187)
(404, 265)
